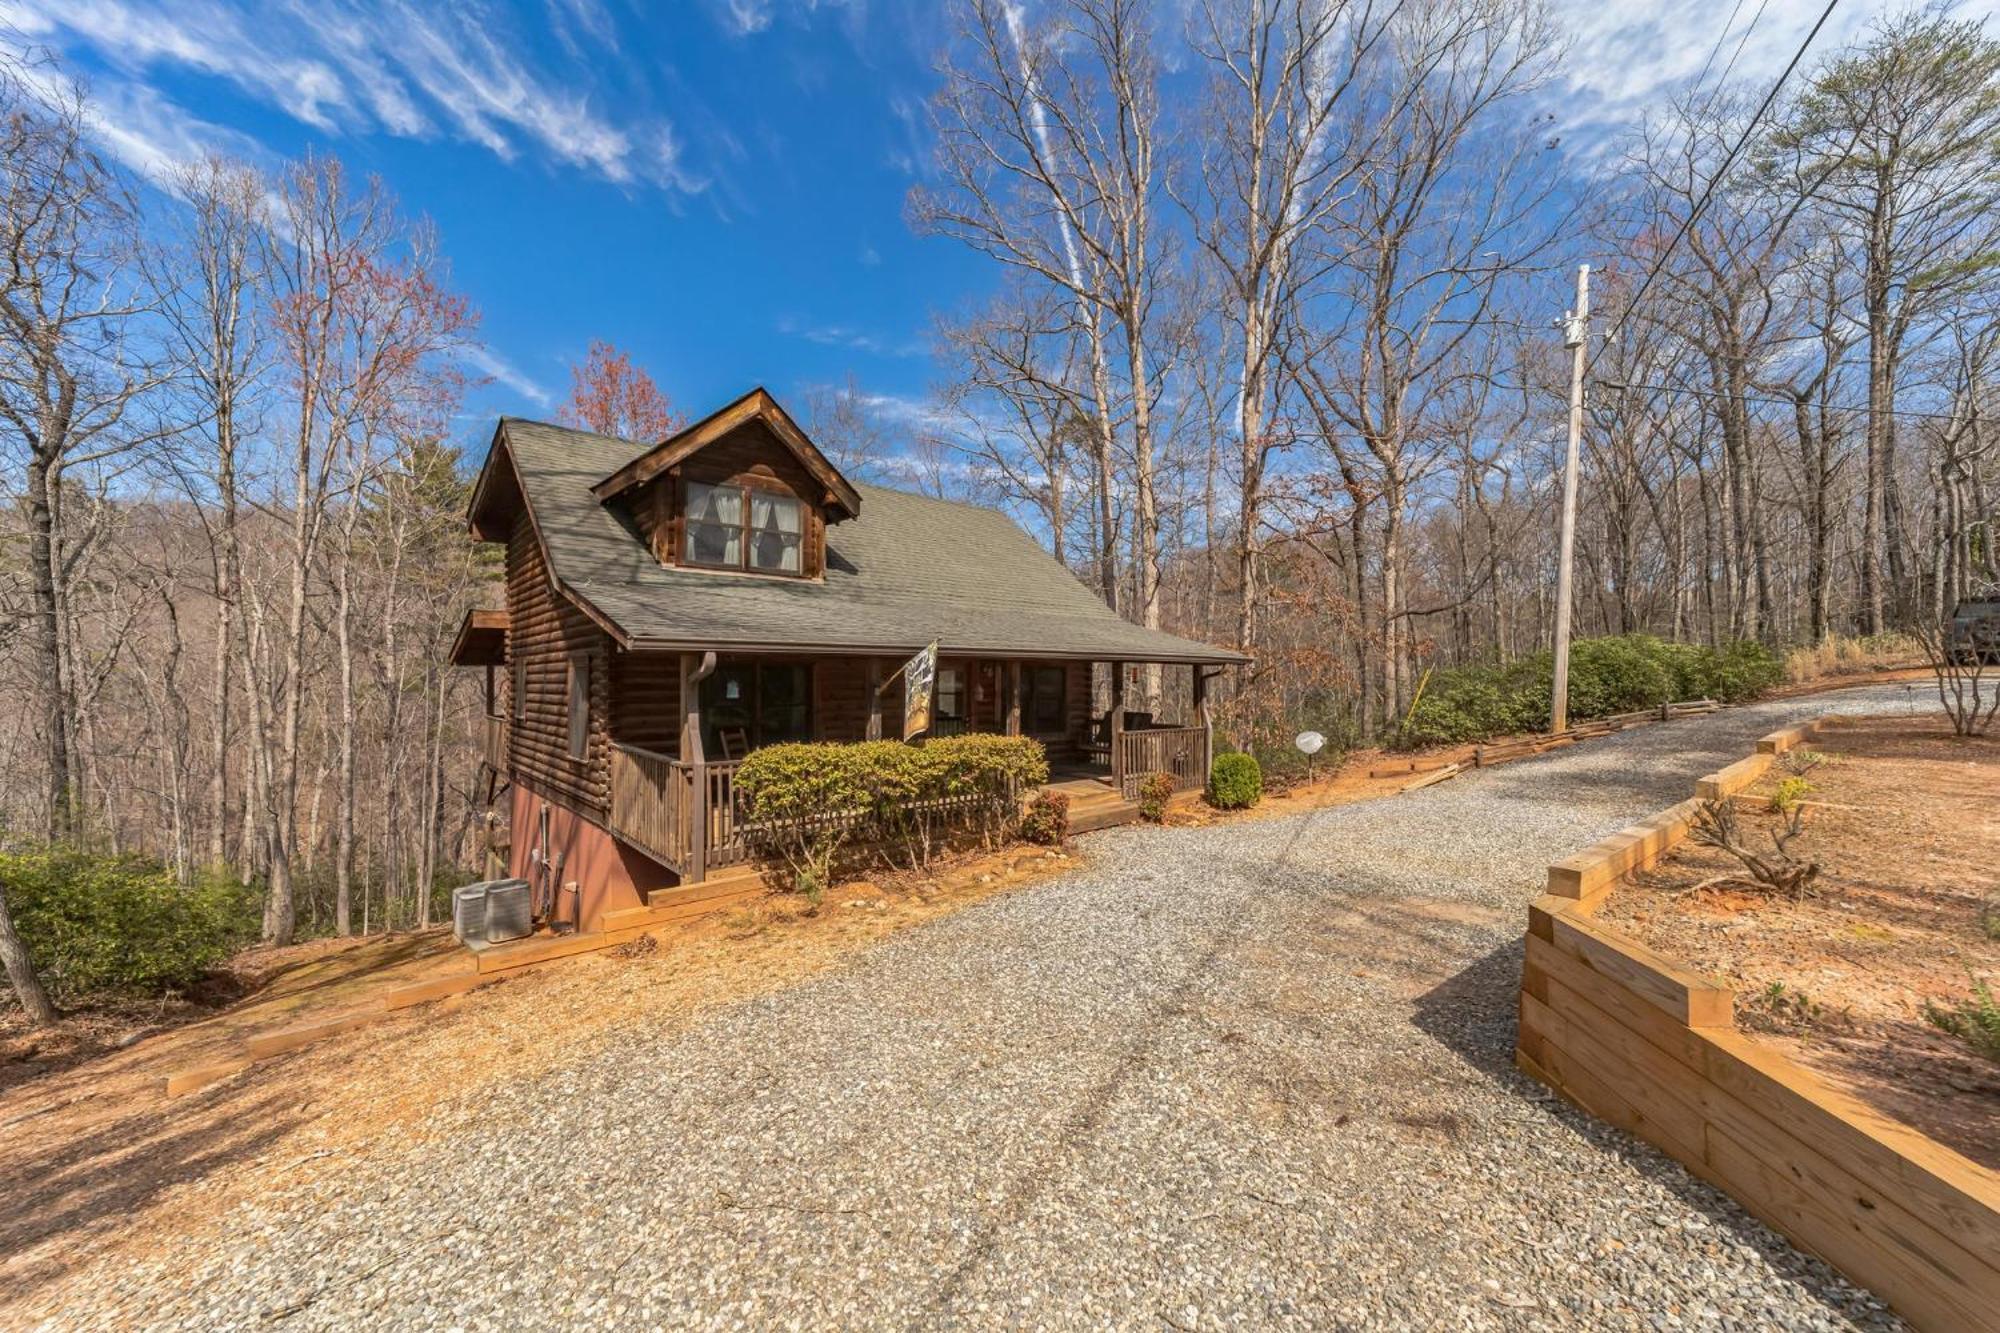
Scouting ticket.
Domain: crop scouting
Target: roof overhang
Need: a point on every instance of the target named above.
(496, 477)
(482, 639)
(757, 405)
(1201, 656)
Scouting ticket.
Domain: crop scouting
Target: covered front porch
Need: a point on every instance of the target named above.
(674, 796)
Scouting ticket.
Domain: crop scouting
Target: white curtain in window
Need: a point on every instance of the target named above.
(775, 529)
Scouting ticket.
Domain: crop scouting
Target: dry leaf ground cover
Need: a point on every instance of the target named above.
(1904, 821)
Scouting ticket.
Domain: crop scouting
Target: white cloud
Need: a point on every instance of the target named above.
(504, 372)
(1626, 56)
(743, 17)
(387, 66)
(849, 337)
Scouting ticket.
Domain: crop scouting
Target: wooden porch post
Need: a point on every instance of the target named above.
(874, 699)
(1207, 724)
(1118, 728)
(694, 669)
(1013, 688)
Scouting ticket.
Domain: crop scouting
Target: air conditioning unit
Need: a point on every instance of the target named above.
(468, 912)
(491, 912)
(509, 911)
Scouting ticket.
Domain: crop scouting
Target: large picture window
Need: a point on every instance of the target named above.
(735, 527)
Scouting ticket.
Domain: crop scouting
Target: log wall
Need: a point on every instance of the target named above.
(544, 629)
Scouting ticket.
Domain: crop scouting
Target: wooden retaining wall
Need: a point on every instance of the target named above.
(1650, 1046)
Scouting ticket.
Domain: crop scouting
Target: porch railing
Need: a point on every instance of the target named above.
(648, 800)
(656, 805)
(1179, 752)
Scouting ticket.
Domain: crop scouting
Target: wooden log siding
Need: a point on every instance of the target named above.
(544, 629)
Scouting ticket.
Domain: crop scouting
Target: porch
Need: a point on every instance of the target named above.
(680, 804)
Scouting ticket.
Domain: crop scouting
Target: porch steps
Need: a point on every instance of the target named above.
(1099, 812)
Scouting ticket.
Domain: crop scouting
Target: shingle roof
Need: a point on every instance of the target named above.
(906, 570)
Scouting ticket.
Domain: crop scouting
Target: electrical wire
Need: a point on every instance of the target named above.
(1708, 192)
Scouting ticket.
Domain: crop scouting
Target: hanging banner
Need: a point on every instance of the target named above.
(919, 683)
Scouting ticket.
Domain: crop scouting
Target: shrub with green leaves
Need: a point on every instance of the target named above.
(1155, 790)
(1614, 674)
(1788, 793)
(1235, 782)
(101, 926)
(1976, 1021)
(809, 802)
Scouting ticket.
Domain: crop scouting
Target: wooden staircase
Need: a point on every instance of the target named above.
(1098, 810)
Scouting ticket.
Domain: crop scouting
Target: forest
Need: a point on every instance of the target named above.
(1270, 357)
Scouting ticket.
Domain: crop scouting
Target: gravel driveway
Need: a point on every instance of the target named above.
(1247, 1075)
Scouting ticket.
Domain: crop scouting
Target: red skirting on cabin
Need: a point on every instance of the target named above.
(607, 874)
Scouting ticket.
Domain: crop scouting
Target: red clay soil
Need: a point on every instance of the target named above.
(1904, 821)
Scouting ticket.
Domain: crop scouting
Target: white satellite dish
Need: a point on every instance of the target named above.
(1310, 743)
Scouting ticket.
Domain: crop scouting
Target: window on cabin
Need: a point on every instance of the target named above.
(734, 527)
(1048, 699)
(951, 694)
(579, 705)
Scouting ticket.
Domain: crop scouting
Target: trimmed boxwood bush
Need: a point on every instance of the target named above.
(102, 926)
(1235, 782)
(810, 801)
(1614, 674)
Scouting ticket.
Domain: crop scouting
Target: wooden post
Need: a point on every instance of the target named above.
(1117, 728)
(695, 668)
(874, 699)
(1013, 688)
(1207, 724)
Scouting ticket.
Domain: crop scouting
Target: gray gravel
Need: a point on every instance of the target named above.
(1247, 1075)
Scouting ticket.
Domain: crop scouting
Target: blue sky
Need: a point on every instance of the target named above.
(715, 185)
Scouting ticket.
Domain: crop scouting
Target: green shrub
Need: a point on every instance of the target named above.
(107, 925)
(1613, 674)
(809, 802)
(1976, 1022)
(1155, 790)
(1789, 792)
(1047, 819)
(1235, 782)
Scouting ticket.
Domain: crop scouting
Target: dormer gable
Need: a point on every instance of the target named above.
(743, 490)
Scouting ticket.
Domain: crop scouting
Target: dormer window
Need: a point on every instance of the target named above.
(739, 527)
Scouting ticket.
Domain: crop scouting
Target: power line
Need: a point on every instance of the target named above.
(1701, 205)
(1914, 414)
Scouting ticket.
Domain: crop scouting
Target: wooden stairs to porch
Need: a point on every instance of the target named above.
(1100, 810)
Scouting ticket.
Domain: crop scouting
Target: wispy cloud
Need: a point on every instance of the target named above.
(505, 373)
(849, 337)
(1625, 56)
(384, 66)
(743, 17)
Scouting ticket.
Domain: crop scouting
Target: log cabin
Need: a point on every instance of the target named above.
(670, 606)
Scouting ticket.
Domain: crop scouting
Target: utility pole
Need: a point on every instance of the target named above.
(1576, 337)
